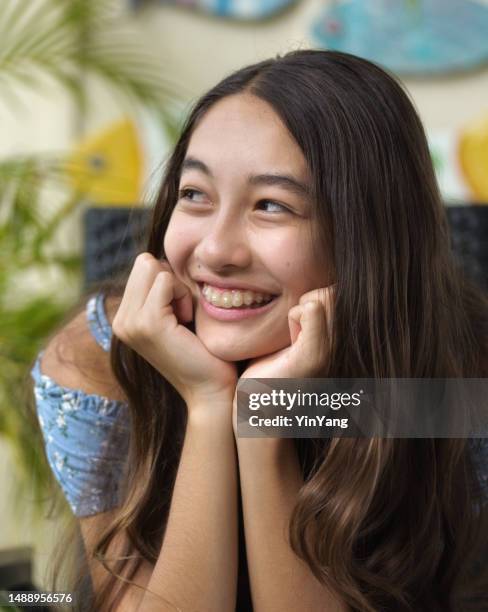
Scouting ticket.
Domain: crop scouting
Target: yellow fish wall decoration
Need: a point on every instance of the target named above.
(107, 168)
(473, 157)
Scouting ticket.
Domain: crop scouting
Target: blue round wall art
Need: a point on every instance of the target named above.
(413, 37)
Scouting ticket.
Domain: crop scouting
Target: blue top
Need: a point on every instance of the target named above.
(86, 435)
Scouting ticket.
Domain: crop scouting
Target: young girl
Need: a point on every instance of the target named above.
(298, 232)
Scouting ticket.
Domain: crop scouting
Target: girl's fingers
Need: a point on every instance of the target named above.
(168, 298)
(310, 324)
(182, 298)
(294, 315)
(182, 301)
(308, 329)
(313, 322)
(183, 307)
(324, 295)
(139, 283)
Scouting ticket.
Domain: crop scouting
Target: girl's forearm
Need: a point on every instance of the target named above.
(197, 565)
(270, 479)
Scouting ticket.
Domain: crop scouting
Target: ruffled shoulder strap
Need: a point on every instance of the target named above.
(98, 322)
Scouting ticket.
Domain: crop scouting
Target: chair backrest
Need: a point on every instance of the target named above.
(114, 236)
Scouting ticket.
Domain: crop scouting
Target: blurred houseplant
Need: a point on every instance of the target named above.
(66, 41)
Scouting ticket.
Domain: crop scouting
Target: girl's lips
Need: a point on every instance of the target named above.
(233, 314)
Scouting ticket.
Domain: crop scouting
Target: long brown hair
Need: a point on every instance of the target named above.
(388, 524)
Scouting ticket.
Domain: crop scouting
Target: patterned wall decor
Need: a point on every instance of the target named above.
(461, 161)
(407, 36)
(232, 9)
(107, 167)
(473, 156)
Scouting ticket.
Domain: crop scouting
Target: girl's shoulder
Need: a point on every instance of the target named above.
(78, 357)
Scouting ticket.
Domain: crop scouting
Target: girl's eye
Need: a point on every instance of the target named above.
(275, 206)
(186, 194)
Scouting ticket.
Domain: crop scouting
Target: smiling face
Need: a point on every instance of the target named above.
(235, 230)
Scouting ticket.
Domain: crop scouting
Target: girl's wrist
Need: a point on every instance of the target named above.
(210, 412)
(271, 449)
(210, 395)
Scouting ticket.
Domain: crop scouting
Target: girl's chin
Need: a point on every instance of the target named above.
(227, 352)
(237, 347)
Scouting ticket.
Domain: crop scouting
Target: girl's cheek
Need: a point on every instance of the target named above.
(178, 246)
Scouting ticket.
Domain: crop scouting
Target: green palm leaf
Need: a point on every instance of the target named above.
(41, 42)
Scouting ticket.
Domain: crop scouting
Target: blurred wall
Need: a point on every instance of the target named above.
(200, 50)
(197, 49)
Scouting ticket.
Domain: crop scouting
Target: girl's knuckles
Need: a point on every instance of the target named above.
(118, 328)
(306, 297)
(143, 257)
(164, 265)
(163, 277)
(142, 328)
(146, 265)
(130, 331)
(294, 312)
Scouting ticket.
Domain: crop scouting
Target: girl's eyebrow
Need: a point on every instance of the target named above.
(285, 181)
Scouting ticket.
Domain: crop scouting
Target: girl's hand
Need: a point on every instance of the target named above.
(310, 325)
(149, 318)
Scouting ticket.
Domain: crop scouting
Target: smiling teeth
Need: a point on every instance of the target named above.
(233, 298)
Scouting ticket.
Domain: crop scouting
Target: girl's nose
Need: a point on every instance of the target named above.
(224, 245)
